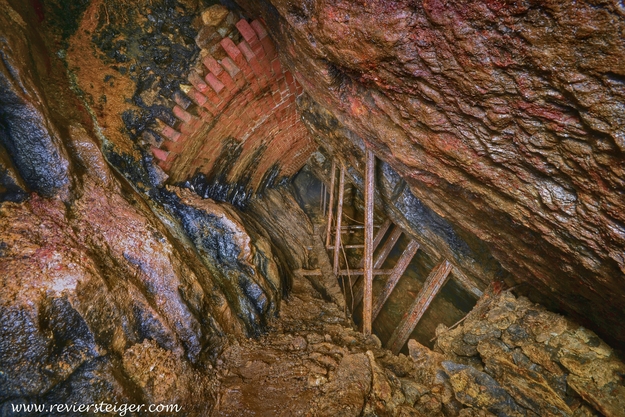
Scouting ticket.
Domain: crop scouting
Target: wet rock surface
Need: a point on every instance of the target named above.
(108, 295)
(514, 357)
(25, 131)
(239, 254)
(505, 118)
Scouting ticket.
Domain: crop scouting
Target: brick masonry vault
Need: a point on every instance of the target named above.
(244, 100)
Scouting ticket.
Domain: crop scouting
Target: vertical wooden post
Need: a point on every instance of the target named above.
(368, 256)
(339, 215)
(331, 205)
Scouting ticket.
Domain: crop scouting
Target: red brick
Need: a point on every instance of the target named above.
(214, 82)
(170, 133)
(160, 154)
(266, 65)
(239, 80)
(258, 50)
(246, 49)
(205, 115)
(181, 100)
(256, 67)
(254, 86)
(227, 80)
(212, 64)
(259, 29)
(276, 67)
(182, 114)
(197, 97)
(269, 47)
(230, 66)
(231, 49)
(189, 128)
(289, 77)
(246, 30)
(276, 98)
(213, 98)
(166, 166)
(174, 147)
(197, 81)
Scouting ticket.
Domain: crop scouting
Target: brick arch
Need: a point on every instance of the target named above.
(247, 95)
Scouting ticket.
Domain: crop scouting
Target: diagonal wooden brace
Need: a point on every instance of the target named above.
(431, 287)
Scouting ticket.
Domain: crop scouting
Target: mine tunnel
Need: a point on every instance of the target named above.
(312, 208)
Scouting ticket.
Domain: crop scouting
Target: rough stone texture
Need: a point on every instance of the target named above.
(529, 361)
(107, 295)
(504, 117)
(25, 130)
(82, 287)
(110, 294)
(238, 255)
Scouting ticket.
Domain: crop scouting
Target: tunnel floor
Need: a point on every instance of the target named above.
(285, 372)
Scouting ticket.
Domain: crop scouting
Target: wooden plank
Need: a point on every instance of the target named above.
(378, 238)
(381, 232)
(387, 247)
(358, 286)
(393, 279)
(339, 216)
(331, 205)
(431, 287)
(352, 272)
(348, 246)
(368, 256)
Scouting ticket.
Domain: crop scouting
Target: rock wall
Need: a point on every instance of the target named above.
(506, 118)
(514, 358)
(111, 290)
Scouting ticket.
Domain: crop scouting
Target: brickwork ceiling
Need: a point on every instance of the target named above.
(237, 119)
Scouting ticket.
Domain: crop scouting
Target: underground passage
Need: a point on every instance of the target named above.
(312, 208)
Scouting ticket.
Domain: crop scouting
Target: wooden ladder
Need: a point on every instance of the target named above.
(368, 267)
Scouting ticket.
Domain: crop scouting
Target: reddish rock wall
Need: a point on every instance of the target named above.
(506, 118)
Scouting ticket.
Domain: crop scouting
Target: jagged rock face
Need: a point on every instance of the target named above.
(504, 117)
(512, 357)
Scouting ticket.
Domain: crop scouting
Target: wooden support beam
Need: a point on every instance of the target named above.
(357, 226)
(348, 246)
(431, 287)
(352, 272)
(378, 238)
(393, 279)
(381, 232)
(339, 215)
(368, 256)
(387, 247)
(331, 205)
(358, 286)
